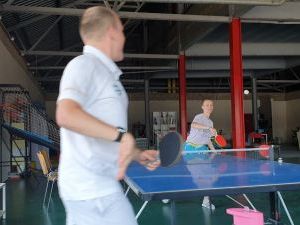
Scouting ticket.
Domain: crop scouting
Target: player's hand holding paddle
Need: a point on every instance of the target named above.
(148, 158)
(170, 149)
(219, 141)
(127, 153)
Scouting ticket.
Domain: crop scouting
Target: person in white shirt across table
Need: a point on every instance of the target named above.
(199, 138)
(92, 113)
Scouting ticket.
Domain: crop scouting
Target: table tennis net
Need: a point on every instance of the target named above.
(263, 153)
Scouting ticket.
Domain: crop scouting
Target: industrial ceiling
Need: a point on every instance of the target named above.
(46, 34)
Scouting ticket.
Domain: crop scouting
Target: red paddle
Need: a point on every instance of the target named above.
(264, 152)
(220, 141)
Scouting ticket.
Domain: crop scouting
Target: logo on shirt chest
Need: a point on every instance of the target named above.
(117, 89)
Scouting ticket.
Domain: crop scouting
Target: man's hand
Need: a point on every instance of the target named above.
(127, 153)
(149, 158)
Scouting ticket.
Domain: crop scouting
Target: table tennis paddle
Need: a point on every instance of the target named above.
(264, 152)
(219, 140)
(170, 149)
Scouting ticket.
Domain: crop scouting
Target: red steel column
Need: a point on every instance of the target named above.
(182, 95)
(236, 78)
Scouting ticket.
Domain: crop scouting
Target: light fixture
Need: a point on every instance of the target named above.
(246, 91)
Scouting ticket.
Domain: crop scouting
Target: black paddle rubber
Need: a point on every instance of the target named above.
(170, 148)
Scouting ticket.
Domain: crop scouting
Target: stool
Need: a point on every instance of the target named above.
(246, 216)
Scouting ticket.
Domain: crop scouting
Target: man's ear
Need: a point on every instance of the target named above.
(111, 32)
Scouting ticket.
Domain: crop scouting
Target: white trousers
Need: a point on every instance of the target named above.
(113, 209)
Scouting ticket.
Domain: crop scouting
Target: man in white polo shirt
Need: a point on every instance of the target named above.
(92, 114)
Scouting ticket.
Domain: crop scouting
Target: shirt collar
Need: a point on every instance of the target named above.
(102, 57)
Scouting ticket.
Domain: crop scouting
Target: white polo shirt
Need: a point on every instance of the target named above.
(88, 166)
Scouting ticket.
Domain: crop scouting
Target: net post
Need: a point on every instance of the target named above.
(271, 151)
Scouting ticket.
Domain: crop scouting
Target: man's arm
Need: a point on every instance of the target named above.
(199, 126)
(70, 115)
(204, 127)
(210, 145)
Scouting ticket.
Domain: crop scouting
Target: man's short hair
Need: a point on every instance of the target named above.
(95, 21)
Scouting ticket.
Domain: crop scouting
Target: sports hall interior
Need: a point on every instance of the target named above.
(177, 53)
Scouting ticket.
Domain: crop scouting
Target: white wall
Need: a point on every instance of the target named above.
(279, 120)
(221, 115)
(13, 69)
(292, 116)
(285, 114)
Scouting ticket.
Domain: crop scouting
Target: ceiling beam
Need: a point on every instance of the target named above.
(230, 2)
(127, 15)
(287, 11)
(208, 50)
(51, 53)
(279, 81)
(249, 63)
(216, 64)
(173, 75)
(150, 16)
(196, 74)
(42, 59)
(249, 49)
(121, 67)
(126, 55)
(37, 18)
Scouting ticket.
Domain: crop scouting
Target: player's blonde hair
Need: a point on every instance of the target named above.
(95, 21)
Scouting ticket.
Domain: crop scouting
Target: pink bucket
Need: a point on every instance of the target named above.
(245, 216)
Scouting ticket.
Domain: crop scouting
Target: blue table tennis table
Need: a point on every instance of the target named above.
(220, 175)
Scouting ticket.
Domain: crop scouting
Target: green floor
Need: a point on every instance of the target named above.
(24, 205)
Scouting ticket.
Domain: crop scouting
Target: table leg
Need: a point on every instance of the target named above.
(141, 209)
(4, 201)
(173, 213)
(274, 207)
